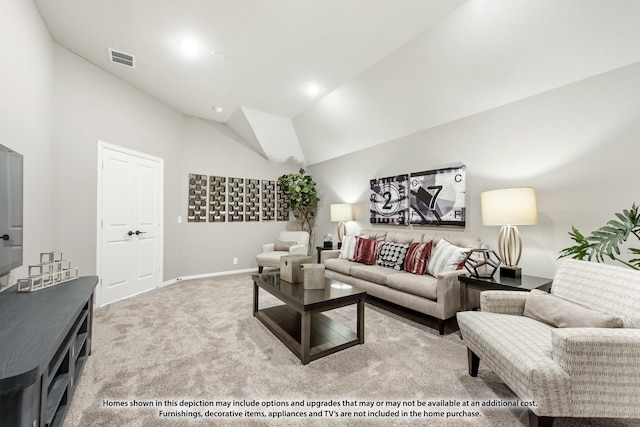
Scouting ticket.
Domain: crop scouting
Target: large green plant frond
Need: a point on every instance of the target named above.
(606, 240)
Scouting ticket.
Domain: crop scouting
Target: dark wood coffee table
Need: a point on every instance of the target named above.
(299, 322)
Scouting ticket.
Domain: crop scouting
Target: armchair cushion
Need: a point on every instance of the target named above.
(503, 302)
(282, 245)
(562, 313)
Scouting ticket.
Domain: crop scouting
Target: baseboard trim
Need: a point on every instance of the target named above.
(205, 275)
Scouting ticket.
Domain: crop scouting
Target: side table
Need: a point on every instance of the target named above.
(322, 248)
(502, 283)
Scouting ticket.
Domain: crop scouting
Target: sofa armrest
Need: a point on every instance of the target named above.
(503, 302)
(448, 294)
(329, 254)
(268, 247)
(298, 250)
(604, 365)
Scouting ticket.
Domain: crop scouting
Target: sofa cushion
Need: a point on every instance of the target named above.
(562, 313)
(417, 257)
(366, 250)
(392, 255)
(340, 265)
(372, 273)
(421, 285)
(403, 237)
(446, 257)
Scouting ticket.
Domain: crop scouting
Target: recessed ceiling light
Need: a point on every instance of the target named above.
(313, 89)
(189, 47)
(218, 109)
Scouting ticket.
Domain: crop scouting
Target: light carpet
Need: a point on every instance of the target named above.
(198, 341)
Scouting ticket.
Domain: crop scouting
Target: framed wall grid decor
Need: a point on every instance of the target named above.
(236, 199)
(217, 199)
(252, 200)
(268, 200)
(197, 208)
(214, 198)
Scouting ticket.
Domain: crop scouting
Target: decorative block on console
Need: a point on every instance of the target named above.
(52, 270)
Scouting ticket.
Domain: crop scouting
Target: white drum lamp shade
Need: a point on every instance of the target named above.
(509, 208)
(340, 213)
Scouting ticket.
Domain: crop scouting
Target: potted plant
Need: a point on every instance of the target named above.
(300, 190)
(605, 241)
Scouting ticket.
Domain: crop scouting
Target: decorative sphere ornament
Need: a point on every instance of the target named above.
(482, 263)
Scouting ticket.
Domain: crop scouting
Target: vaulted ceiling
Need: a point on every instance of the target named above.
(383, 69)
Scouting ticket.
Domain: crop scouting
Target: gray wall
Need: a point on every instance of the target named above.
(91, 105)
(25, 120)
(56, 107)
(578, 145)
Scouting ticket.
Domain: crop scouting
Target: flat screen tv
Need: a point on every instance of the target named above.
(10, 210)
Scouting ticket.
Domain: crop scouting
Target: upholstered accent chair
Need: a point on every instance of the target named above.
(287, 243)
(570, 370)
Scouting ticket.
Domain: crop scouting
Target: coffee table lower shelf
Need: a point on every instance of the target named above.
(326, 335)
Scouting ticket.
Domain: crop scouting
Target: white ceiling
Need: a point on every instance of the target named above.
(385, 68)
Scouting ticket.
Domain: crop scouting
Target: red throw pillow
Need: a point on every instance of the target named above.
(366, 251)
(418, 257)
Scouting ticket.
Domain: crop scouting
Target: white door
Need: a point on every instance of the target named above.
(130, 193)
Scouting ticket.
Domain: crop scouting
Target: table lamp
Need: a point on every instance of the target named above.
(508, 208)
(339, 213)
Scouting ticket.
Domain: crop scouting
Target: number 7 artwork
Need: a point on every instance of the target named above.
(437, 197)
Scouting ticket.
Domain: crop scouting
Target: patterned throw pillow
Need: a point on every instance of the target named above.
(392, 255)
(418, 257)
(446, 257)
(366, 251)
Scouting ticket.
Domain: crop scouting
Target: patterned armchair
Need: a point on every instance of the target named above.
(570, 371)
(287, 243)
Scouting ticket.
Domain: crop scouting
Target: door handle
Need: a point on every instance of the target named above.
(5, 237)
(130, 233)
(138, 232)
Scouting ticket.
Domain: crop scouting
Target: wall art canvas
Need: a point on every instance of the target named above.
(217, 199)
(389, 200)
(438, 197)
(197, 203)
(268, 200)
(235, 199)
(252, 200)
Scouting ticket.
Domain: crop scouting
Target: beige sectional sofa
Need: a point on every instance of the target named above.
(438, 297)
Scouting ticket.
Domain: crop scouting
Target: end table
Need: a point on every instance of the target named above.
(502, 283)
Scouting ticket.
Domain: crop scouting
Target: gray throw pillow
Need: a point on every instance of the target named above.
(282, 245)
(562, 313)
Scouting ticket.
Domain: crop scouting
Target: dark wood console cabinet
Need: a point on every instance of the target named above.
(45, 338)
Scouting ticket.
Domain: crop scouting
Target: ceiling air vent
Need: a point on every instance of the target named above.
(122, 58)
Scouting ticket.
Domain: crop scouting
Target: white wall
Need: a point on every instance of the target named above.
(578, 145)
(25, 120)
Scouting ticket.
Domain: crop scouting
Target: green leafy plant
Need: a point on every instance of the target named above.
(300, 190)
(605, 241)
